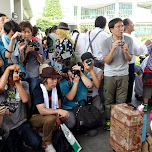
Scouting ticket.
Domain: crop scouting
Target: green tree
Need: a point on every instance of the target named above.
(52, 9)
(45, 23)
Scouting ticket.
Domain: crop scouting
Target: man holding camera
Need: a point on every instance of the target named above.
(31, 55)
(95, 74)
(14, 95)
(47, 101)
(74, 89)
(117, 51)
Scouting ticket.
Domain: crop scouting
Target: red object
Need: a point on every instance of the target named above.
(151, 115)
(33, 38)
(62, 118)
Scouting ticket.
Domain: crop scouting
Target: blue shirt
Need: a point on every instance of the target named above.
(80, 95)
(2, 51)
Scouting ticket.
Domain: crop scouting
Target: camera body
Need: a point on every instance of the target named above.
(77, 72)
(21, 74)
(20, 39)
(89, 62)
(10, 107)
(121, 43)
(35, 44)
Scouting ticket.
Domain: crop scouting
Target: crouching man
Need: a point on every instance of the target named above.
(47, 100)
(14, 95)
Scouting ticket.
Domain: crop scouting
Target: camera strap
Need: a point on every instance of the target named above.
(90, 41)
(76, 40)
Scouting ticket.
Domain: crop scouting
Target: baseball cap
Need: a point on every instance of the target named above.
(86, 55)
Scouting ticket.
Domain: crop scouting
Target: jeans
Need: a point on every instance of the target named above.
(23, 133)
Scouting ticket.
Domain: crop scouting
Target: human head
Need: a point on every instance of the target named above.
(87, 60)
(26, 30)
(49, 77)
(10, 28)
(3, 20)
(100, 22)
(128, 25)
(67, 67)
(116, 27)
(53, 29)
(35, 31)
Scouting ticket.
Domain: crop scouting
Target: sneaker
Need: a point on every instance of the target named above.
(145, 108)
(107, 126)
(49, 148)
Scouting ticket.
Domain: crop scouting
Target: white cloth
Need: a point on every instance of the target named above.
(137, 50)
(55, 103)
(97, 42)
(80, 46)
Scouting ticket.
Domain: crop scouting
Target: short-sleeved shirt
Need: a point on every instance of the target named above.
(12, 96)
(119, 65)
(32, 64)
(81, 94)
(39, 99)
(62, 47)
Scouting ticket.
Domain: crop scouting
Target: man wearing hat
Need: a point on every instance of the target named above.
(47, 100)
(95, 74)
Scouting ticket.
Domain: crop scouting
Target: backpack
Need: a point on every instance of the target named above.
(51, 43)
(60, 142)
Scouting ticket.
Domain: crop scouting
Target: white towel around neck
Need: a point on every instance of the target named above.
(55, 103)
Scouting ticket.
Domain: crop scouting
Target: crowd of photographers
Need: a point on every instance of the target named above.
(42, 81)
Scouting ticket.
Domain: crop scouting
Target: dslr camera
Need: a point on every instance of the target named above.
(20, 39)
(89, 62)
(77, 72)
(10, 107)
(35, 44)
(21, 74)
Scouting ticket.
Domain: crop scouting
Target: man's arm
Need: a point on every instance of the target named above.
(109, 57)
(70, 95)
(48, 111)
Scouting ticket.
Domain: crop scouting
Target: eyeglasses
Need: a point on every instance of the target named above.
(120, 27)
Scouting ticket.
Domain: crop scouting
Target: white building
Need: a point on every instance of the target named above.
(84, 12)
(20, 7)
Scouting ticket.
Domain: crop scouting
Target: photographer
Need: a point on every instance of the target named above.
(95, 74)
(74, 89)
(31, 55)
(14, 95)
(10, 39)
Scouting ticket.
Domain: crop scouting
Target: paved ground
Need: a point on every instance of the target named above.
(100, 143)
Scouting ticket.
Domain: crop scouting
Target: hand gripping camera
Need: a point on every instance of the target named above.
(35, 44)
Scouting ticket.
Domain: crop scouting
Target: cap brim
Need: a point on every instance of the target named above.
(64, 28)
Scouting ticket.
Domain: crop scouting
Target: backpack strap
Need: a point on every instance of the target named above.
(90, 41)
(76, 41)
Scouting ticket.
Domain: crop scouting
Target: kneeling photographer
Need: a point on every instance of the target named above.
(14, 95)
(95, 74)
(74, 89)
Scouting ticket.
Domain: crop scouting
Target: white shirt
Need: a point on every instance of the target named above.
(97, 42)
(137, 50)
(80, 46)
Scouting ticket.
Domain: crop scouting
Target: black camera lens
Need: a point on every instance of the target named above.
(20, 39)
(122, 43)
(89, 62)
(11, 108)
(35, 44)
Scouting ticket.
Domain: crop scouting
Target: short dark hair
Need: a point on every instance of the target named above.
(126, 21)
(53, 28)
(113, 22)
(26, 24)
(35, 30)
(100, 22)
(1, 14)
(11, 25)
(67, 65)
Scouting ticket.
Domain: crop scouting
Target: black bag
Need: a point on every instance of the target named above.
(87, 116)
(60, 142)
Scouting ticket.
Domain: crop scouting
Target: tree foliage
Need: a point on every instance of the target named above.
(45, 23)
(52, 9)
